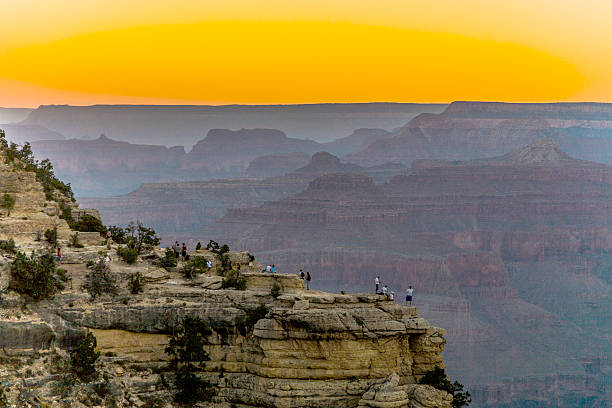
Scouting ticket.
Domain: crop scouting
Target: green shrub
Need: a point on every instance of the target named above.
(8, 246)
(136, 283)
(194, 267)
(129, 255)
(34, 276)
(118, 234)
(74, 241)
(51, 236)
(275, 290)
(83, 359)
(7, 202)
(168, 260)
(141, 238)
(100, 280)
(89, 223)
(212, 246)
(437, 378)
(66, 213)
(233, 280)
(187, 357)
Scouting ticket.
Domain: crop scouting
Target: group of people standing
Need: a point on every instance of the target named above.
(180, 250)
(306, 277)
(391, 295)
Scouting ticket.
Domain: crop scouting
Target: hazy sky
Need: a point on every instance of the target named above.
(291, 51)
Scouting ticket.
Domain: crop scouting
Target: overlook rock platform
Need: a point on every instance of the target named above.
(307, 349)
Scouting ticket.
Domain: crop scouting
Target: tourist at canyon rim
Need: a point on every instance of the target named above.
(109, 236)
(409, 295)
(268, 268)
(184, 251)
(302, 274)
(273, 268)
(209, 265)
(59, 255)
(392, 296)
(308, 278)
(377, 283)
(175, 248)
(385, 291)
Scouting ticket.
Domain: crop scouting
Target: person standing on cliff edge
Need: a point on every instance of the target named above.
(409, 295)
(308, 278)
(377, 283)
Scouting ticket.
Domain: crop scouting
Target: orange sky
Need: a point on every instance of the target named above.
(303, 51)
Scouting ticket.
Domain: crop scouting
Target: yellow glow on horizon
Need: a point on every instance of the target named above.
(291, 62)
(531, 44)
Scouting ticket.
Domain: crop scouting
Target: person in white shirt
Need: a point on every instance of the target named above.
(392, 297)
(385, 291)
(268, 268)
(209, 265)
(409, 295)
(377, 283)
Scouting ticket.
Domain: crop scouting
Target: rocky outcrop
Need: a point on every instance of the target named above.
(390, 394)
(32, 214)
(307, 348)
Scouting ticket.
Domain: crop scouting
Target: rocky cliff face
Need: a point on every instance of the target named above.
(501, 250)
(307, 348)
(469, 130)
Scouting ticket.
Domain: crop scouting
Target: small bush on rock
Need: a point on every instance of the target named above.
(100, 280)
(8, 246)
(437, 378)
(89, 223)
(275, 290)
(83, 359)
(35, 276)
(194, 267)
(74, 241)
(7, 202)
(233, 280)
(51, 236)
(168, 260)
(187, 357)
(129, 255)
(136, 283)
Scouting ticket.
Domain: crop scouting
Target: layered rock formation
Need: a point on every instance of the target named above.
(502, 251)
(186, 208)
(294, 348)
(469, 130)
